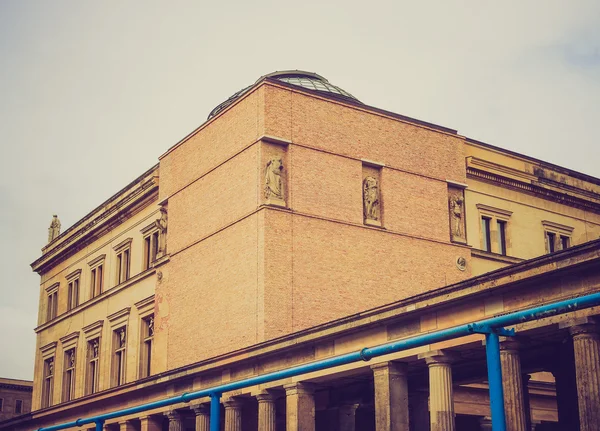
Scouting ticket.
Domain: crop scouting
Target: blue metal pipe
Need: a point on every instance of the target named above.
(494, 369)
(215, 412)
(365, 354)
(99, 425)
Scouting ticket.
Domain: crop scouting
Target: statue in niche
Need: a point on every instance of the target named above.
(121, 337)
(151, 326)
(273, 182)
(54, 229)
(371, 199)
(50, 366)
(94, 348)
(72, 359)
(456, 211)
(161, 224)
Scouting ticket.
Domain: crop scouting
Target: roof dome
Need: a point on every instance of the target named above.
(299, 78)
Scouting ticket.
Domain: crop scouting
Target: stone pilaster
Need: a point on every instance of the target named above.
(126, 426)
(175, 422)
(347, 417)
(150, 423)
(512, 383)
(202, 412)
(441, 397)
(266, 411)
(586, 346)
(391, 396)
(300, 407)
(233, 415)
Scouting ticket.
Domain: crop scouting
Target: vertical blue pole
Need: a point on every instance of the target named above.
(492, 352)
(215, 412)
(100, 425)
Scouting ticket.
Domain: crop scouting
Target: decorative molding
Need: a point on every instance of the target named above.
(93, 329)
(457, 184)
(123, 244)
(73, 274)
(97, 260)
(144, 304)
(119, 314)
(515, 174)
(372, 163)
(52, 288)
(68, 339)
(493, 210)
(495, 256)
(275, 140)
(48, 347)
(149, 228)
(557, 227)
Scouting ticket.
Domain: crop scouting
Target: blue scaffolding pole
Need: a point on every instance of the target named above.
(492, 328)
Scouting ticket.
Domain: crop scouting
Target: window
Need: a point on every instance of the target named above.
(119, 356)
(69, 375)
(501, 236)
(146, 353)
(150, 246)
(73, 289)
(93, 362)
(1, 403)
(52, 302)
(48, 383)
(557, 236)
(18, 406)
(123, 261)
(486, 234)
(495, 229)
(96, 275)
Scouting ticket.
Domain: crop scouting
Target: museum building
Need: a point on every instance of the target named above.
(298, 223)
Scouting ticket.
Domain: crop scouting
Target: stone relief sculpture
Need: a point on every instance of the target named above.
(151, 326)
(371, 200)
(72, 359)
(94, 348)
(161, 224)
(121, 337)
(54, 229)
(456, 210)
(273, 182)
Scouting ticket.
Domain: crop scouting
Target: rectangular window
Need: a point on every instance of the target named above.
(502, 236)
(486, 234)
(69, 376)
(52, 309)
(565, 242)
(146, 354)
(150, 249)
(73, 292)
(18, 406)
(123, 266)
(119, 356)
(93, 359)
(96, 281)
(550, 242)
(48, 383)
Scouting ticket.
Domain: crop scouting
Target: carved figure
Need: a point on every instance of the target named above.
(456, 209)
(371, 199)
(72, 359)
(161, 224)
(50, 367)
(151, 326)
(273, 183)
(461, 263)
(95, 348)
(54, 229)
(121, 337)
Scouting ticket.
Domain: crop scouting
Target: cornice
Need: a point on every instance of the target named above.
(494, 210)
(557, 227)
(48, 347)
(97, 260)
(52, 287)
(120, 206)
(93, 326)
(121, 313)
(67, 338)
(123, 244)
(145, 302)
(73, 274)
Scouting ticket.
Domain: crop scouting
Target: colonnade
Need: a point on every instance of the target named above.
(391, 396)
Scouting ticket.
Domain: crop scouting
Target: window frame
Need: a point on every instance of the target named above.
(52, 302)
(499, 230)
(560, 232)
(73, 289)
(145, 309)
(150, 235)
(18, 407)
(93, 334)
(48, 357)
(97, 276)
(119, 321)
(123, 261)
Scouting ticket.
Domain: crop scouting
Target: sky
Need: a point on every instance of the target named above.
(92, 93)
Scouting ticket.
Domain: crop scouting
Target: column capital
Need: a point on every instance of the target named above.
(233, 403)
(173, 415)
(397, 368)
(200, 409)
(508, 344)
(437, 357)
(265, 397)
(299, 388)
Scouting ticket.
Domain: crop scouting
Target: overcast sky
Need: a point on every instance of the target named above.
(91, 93)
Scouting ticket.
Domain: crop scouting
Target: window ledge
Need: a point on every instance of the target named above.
(495, 256)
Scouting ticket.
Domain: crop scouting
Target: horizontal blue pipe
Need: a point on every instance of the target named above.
(365, 354)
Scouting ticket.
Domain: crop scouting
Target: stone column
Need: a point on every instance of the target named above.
(233, 415)
(126, 426)
(347, 417)
(202, 412)
(266, 411)
(391, 396)
(512, 383)
(586, 346)
(300, 407)
(175, 422)
(441, 398)
(150, 423)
